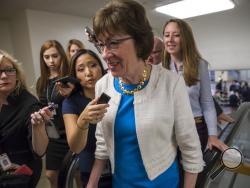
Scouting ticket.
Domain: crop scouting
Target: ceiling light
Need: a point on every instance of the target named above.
(191, 8)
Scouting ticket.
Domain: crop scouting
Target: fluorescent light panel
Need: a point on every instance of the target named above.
(191, 8)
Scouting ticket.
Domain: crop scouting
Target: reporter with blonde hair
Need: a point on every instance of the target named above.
(23, 142)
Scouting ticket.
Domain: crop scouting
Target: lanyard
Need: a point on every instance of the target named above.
(50, 96)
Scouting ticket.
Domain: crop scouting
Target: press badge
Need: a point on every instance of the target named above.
(5, 162)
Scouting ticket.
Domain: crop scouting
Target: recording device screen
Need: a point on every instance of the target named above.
(104, 99)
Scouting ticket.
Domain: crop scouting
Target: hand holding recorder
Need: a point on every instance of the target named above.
(67, 79)
(66, 85)
(94, 111)
(43, 115)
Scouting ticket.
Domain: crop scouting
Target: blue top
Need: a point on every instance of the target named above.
(75, 104)
(200, 96)
(129, 169)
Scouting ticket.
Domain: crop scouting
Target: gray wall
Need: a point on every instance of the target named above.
(24, 34)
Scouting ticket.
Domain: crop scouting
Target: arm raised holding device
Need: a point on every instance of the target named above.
(66, 85)
(94, 111)
(67, 79)
(40, 122)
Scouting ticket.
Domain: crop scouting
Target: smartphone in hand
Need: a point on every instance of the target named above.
(52, 106)
(66, 79)
(104, 99)
(50, 126)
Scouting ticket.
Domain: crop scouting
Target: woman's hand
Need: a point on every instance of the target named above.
(40, 138)
(213, 141)
(65, 90)
(223, 117)
(93, 113)
(41, 117)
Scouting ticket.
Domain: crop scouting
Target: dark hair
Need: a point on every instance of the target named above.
(42, 82)
(73, 64)
(78, 54)
(126, 17)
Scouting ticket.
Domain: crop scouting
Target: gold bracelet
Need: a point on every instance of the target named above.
(83, 129)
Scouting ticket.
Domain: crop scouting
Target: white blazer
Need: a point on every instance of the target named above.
(163, 120)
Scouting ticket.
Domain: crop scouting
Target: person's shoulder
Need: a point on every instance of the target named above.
(203, 67)
(105, 77)
(165, 78)
(25, 96)
(105, 80)
(74, 98)
(203, 63)
(27, 101)
(74, 95)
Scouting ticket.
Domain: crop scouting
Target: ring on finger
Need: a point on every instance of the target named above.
(42, 119)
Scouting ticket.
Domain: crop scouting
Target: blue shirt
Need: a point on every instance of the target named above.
(129, 169)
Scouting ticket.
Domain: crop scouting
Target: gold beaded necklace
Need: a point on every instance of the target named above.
(139, 86)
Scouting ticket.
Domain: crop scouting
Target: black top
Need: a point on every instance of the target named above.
(15, 129)
(50, 94)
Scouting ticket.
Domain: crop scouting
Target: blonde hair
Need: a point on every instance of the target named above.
(75, 42)
(20, 79)
(190, 53)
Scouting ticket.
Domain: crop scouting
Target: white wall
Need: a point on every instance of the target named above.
(5, 37)
(21, 44)
(45, 25)
(224, 38)
(29, 29)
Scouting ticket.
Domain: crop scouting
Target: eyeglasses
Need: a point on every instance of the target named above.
(111, 44)
(8, 72)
